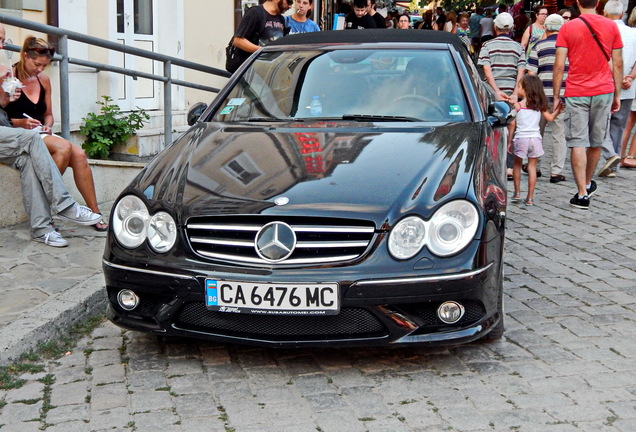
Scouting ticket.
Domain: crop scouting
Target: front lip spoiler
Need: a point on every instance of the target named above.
(148, 271)
(374, 282)
(425, 279)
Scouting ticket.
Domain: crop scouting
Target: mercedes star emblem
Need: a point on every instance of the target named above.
(275, 242)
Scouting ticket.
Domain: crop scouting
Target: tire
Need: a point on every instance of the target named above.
(498, 330)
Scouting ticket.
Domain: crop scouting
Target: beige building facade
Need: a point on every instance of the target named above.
(194, 30)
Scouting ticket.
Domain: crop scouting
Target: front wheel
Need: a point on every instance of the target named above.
(498, 330)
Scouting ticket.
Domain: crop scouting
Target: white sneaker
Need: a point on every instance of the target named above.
(52, 238)
(80, 215)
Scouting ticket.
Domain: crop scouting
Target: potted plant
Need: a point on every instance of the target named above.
(109, 128)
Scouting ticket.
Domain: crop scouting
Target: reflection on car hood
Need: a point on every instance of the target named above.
(336, 169)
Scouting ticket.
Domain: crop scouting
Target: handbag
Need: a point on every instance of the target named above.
(234, 57)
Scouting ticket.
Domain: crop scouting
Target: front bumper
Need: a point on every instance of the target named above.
(392, 311)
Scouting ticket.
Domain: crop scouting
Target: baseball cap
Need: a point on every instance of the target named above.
(504, 21)
(553, 22)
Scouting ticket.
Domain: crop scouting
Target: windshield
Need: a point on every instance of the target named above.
(375, 85)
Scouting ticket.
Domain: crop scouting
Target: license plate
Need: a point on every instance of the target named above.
(273, 299)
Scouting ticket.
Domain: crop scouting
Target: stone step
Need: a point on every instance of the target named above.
(111, 177)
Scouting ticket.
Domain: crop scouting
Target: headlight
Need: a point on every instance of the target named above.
(407, 238)
(450, 230)
(452, 227)
(162, 232)
(130, 219)
(132, 225)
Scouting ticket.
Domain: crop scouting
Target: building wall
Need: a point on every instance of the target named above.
(195, 30)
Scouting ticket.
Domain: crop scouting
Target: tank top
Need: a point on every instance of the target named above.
(24, 105)
(528, 123)
(535, 36)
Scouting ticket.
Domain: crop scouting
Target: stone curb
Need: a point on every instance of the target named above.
(53, 318)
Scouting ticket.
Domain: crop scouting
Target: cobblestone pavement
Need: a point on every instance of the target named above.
(566, 362)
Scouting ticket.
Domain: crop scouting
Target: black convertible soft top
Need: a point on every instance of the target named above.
(370, 36)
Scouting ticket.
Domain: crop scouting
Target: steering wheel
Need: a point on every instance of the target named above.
(421, 101)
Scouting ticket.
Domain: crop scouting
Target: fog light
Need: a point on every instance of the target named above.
(450, 312)
(127, 299)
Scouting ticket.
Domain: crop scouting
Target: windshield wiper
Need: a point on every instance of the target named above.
(374, 117)
(266, 119)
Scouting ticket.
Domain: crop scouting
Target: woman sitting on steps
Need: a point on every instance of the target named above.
(33, 110)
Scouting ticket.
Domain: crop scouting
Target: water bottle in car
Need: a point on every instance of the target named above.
(315, 107)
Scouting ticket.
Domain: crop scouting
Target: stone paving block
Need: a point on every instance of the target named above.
(77, 358)
(150, 401)
(69, 394)
(20, 412)
(189, 384)
(299, 365)
(146, 380)
(338, 421)
(110, 396)
(208, 424)
(225, 372)
(108, 374)
(196, 405)
(29, 391)
(540, 400)
(281, 415)
(324, 402)
(267, 376)
(231, 389)
(240, 411)
(625, 425)
(184, 366)
(74, 426)
(276, 395)
(104, 357)
(67, 413)
(117, 418)
(624, 410)
(214, 355)
(107, 343)
(312, 384)
(254, 357)
(146, 362)
(70, 375)
(22, 427)
(612, 380)
(106, 330)
(578, 413)
(511, 419)
(163, 421)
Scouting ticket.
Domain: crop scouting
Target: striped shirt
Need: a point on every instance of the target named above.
(505, 57)
(541, 63)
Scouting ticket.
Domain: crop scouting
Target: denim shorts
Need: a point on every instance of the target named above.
(528, 147)
(588, 123)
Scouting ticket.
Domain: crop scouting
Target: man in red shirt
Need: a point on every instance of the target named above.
(592, 90)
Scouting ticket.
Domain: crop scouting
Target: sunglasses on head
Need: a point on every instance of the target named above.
(43, 51)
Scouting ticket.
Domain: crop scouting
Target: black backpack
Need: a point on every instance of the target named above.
(234, 57)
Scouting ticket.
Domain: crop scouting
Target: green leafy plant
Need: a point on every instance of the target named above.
(109, 128)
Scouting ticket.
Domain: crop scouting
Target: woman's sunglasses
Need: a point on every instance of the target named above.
(43, 51)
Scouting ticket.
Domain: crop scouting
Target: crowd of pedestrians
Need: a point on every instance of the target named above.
(585, 68)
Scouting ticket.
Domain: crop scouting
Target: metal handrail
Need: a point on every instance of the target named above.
(64, 60)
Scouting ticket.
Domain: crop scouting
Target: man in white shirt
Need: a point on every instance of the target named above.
(612, 145)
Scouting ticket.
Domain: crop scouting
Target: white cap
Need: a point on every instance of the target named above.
(504, 21)
(553, 22)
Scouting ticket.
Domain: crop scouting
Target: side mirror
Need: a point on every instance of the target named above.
(195, 112)
(500, 114)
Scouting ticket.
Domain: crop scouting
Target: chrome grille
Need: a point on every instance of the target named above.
(318, 240)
